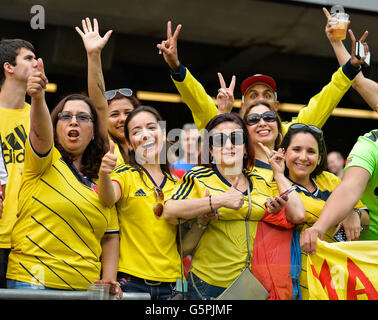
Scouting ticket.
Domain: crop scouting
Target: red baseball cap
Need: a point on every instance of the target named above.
(258, 78)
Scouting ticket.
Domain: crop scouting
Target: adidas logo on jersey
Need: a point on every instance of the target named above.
(140, 193)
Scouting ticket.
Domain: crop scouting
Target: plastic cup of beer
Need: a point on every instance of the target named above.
(339, 33)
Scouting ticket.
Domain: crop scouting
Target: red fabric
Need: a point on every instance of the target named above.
(186, 262)
(278, 219)
(178, 172)
(272, 255)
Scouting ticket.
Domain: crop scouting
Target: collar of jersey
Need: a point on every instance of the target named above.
(225, 181)
(261, 164)
(153, 181)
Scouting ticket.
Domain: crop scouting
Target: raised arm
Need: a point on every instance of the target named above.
(367, 88)
(321, 106)
(94, 44)
(192, 92)
(41, 129)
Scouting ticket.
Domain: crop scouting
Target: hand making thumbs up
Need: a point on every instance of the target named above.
(232, 198)
(37, 81)
(109, 160)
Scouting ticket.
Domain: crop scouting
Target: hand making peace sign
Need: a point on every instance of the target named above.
(169, 47)
(225, 97)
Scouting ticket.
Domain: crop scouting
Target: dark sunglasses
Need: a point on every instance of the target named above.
(126, 92)
(80, 117)
(254, 118)
(314, 129)
(159, 207)
(237, 138)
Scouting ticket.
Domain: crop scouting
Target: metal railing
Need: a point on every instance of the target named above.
(23, 294)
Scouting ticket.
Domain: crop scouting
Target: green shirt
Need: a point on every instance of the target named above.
(365, 155)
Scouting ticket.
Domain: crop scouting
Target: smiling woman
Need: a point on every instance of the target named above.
(306, 161)
(227, 191)
(149, 260)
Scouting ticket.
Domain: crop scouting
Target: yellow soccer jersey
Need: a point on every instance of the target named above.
(264, 170)
(317, 111)
(326, 182)
(56, 240)
(148, 247)
(221, 253)
(14, 129)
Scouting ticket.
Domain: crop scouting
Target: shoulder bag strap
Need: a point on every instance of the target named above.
(247, 227)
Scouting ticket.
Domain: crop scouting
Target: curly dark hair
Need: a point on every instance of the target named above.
(96, 149)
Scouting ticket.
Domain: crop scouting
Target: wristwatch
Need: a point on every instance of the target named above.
(358, 211)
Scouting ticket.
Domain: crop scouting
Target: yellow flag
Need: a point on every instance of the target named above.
(343, 271)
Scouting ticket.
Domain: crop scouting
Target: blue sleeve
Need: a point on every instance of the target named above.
(350, 71)
(180, 75)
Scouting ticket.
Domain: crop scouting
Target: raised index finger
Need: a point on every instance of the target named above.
(364, 36)
(169, 30)
(326, 13)
(266, 150)
(177, 31)
(221, 80)
(232, 84)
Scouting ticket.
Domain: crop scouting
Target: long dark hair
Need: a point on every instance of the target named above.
(278, 140)
(165, 165)
(318, 135)
(205, 156)
(96, 149)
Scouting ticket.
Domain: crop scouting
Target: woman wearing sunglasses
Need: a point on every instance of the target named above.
(265, 127)
(114, 105)
(64, 238)
(221, 190)
(306, 162)
(149, 260)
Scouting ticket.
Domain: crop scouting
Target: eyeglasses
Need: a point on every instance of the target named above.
(159, 207)
(126, 92)
(237, 138)
(80, 117)
(254, 118)
(312, 128)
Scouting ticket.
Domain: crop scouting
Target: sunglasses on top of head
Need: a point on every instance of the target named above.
(126, 92)
(237, 138)
(254, 118)
(314, 129)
